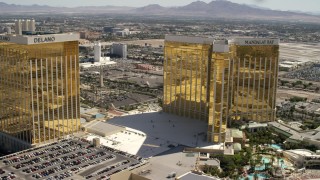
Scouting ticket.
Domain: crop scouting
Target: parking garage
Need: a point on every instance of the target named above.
(67, 159)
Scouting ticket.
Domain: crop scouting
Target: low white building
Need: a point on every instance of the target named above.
(102, 129)
(302, 158)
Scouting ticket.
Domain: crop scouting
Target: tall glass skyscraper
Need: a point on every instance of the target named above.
(256, 63)
(39, 89)
(219, 81)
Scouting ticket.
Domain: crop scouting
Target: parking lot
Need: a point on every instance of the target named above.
(310, 73)
(67, 159)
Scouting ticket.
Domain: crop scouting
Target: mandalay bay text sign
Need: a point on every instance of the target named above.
(256, 41)
(259, 42)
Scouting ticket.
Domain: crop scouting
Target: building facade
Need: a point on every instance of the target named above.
(256, 63)
(219, 81)
(120, 50)
(39, 89)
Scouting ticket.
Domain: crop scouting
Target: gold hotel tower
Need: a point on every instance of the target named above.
(221, 81)
(39, 89)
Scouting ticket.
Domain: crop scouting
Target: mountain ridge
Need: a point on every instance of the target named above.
(214, 9)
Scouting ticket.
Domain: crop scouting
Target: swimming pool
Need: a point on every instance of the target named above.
(276, 146)
(263, 167)
(260, 168)
(260, 176)
(282, 164)
(265, 160)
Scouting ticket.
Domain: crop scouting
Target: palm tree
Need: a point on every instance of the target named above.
(272, 159)
(281, 162)
(252, 163)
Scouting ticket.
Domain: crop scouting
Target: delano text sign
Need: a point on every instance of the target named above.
(39, 39)
(44, 39)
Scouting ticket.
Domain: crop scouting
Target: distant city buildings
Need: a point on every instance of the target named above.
(108, 29)
(23, 26)
(90, 35)
(7, 30)
(119, 50)
(97, 51)
(39, 89)
(98, 60)
(219, 81)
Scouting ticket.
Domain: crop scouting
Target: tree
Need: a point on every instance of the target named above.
(215, 171)
(292, 109)
(258, 159)
(268, 165)
(297, 99)
(272, 159)
(206, 168)
(258, 149)
(160, 102)
(252, 163)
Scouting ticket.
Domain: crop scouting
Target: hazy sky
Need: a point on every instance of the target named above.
(301, 5)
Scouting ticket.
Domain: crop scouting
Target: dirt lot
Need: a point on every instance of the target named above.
(153, 42)
(283, 94)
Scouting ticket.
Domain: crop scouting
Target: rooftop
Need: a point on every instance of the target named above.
(296, 134)
(149, 134)
(160, 125)
(302, 152)
(173, 160)
(236, 133)
(256, 125)
(39, 39)
(192, 176)
(237, 146)
(97, 64)
(102, 127)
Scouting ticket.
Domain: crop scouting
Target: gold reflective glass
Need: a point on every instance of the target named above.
(220, 87)
(39, 90)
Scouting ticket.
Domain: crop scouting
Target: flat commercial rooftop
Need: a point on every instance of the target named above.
(97, 64)
(173, 160)
(181, 130)
(193, 176)
(102, 128)
(149, 134)
(67, 159)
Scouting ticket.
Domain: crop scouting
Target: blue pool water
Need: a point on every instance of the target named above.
(275, 146)
(260, 168)
(267, 160)
(251, 176)
(263, 167)
(281, 164)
